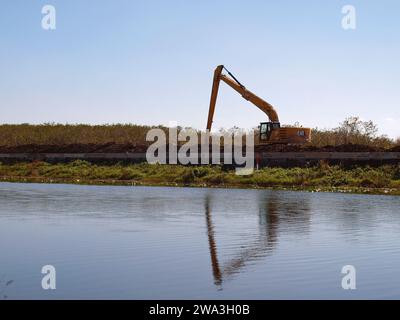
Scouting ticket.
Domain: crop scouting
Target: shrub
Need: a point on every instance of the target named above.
(396, 173)
(187, 177)
(200, 172)
(367, 182)
(217, 178)
(80, 163)
(129, 174)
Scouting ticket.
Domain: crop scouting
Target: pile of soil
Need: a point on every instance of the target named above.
(297, 148)
(132, 148)
(75, 148)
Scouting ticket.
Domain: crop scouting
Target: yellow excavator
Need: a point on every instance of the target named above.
(270, 132)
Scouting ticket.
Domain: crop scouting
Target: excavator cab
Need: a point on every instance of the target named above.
(266, 130)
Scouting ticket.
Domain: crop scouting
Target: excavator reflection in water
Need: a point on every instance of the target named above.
(274, 212)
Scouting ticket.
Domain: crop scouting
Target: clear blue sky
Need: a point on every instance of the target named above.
(151, 62)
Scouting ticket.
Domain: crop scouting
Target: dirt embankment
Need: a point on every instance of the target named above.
(75, 148)
(131, 148)
(340, 148)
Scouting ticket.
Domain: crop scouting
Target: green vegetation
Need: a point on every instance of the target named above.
(384, 179)
(355, 131)
(379, 180)
(59, 134)
(351, 130)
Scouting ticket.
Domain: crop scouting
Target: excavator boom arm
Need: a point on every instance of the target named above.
(214, 94)
(264, 106)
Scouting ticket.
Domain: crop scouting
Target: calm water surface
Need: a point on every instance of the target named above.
(187, 243)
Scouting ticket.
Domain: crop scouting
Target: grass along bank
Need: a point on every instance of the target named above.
(379, 180)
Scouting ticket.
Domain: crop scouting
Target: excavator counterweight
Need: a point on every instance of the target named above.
(271, 131)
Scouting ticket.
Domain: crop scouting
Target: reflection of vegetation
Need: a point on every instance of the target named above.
(383, 179)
